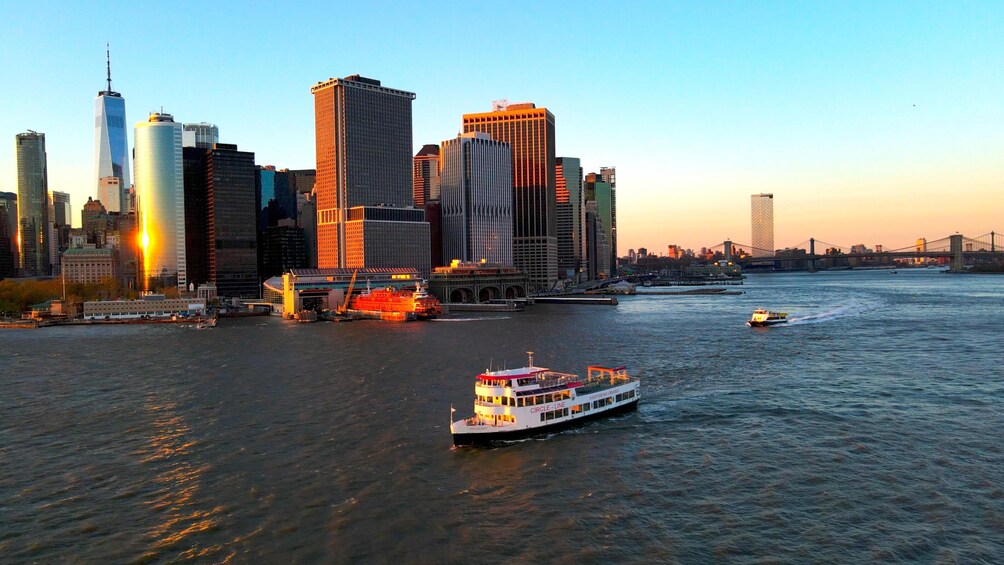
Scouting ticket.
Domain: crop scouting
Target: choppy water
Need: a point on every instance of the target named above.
(869, 428)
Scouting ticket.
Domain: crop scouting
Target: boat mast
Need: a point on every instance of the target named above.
(530, 353)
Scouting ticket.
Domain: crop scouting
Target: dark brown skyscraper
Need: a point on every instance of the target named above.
(220, 201)
(231, 177)
(530, 131)
(363, 139)
(425, 175)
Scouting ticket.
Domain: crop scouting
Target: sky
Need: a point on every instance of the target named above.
(870, 122)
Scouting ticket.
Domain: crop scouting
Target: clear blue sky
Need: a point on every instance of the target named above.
(870, 122)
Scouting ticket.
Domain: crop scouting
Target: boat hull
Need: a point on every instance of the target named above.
(767, 323)
(488, 439)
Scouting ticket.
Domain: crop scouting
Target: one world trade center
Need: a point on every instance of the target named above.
(111, 147)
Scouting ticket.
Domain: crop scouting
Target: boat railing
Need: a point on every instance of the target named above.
(552, 378)
(604, 375)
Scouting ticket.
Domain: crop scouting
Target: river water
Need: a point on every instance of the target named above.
(869, 428)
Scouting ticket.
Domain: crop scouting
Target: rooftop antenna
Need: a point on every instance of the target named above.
(108, 59)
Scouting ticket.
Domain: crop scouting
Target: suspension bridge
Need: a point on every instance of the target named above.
(956, 250)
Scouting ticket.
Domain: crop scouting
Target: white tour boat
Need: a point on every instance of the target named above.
(519, 403)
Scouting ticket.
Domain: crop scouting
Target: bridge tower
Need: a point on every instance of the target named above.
(727, 250)
(992, 249)
(812, 255)
(958, 260)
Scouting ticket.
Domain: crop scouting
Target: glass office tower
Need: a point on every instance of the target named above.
(111, 146)
(476, 196)
(33, 204)
(160, 202)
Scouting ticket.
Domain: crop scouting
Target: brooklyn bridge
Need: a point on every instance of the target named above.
(957, 251)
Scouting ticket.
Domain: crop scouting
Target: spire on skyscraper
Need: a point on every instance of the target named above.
(108, 60)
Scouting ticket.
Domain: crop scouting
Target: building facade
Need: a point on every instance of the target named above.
(196, 216)
(762, 224)
(201, 135)
(476, 199)
(278, 210)
(377, 236)
(596, 243)
(477, 283)
(231, 179)
(90, 265)
(150, 306)
(9, 262)
(110, 191)
(570, 217)
(425, 175)
(111, 147)
(33, 204)
(160, 201)
(363, 145)
(530, 132)
(600, 189)
(61, 222)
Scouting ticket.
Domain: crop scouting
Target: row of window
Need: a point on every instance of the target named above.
(527, 400)
(553, 414)
(611, 399)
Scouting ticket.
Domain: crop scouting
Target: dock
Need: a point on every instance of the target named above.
(511, 306)
(604, 300)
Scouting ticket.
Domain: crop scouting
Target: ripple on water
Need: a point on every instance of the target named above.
(864, 435)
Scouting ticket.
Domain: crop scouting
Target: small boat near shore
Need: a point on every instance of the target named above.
(520, 403)
(762, 318)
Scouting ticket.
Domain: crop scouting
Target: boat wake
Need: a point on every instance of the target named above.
(469, 319)
(844, 311)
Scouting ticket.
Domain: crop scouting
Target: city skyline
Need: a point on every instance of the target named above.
(871, 124)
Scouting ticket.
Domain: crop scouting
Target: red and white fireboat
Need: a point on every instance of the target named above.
(520, 403)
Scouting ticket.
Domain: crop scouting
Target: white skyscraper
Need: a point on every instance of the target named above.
(160, 201)
(111, 145)
(476, 196)
(762, 221)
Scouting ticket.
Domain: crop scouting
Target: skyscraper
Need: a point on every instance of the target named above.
(201, 135)
(570, 213)
(233, 211)
(281, 243)
(33, 204)
(425, 175)
(601, 191)
(364, 186)
(9, 256)
(597, 247)
(609, 175)
(530, 132)
(110, 190)
(762, 222)
(111, 145)
(61, 221)
(160, 201)
(196, 215)
(476, 199)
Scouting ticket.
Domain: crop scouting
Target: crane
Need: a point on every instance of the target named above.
(348, 294)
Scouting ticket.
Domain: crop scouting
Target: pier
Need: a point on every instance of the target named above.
(604, 300)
